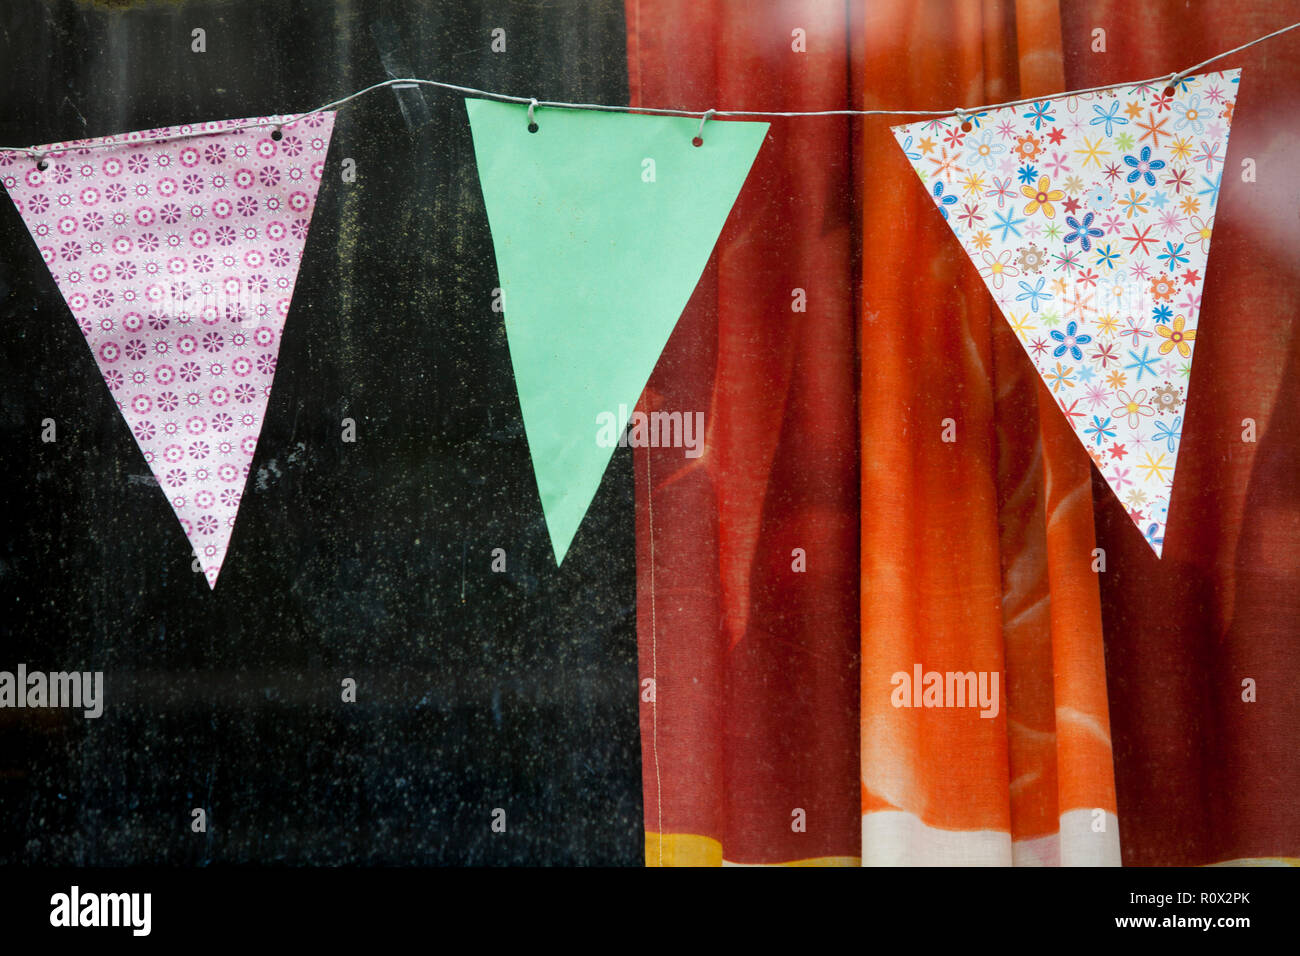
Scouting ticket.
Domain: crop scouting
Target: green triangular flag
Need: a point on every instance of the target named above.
(602, 224)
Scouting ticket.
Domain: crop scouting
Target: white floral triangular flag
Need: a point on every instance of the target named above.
(1089, 217)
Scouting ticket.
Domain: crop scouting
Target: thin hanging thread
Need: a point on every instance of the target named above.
(654, 660)
(534, 104)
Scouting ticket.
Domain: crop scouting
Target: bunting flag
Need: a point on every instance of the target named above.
(1089, 218)
(602, 224)
(178, 258)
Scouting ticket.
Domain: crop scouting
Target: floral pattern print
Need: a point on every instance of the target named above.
(178, 259)
(1089, 218)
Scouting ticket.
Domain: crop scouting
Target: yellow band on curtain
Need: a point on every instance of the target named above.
(1260, 861)
(692, 849)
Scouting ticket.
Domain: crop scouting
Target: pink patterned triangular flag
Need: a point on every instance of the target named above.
(178, 259)
(1089, 218)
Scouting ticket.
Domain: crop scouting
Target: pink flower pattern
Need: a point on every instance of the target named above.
(182, 310)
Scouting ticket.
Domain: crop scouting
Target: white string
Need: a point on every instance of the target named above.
(533, 103)
(699, 133)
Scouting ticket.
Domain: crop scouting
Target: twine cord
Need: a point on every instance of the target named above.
(962, 113)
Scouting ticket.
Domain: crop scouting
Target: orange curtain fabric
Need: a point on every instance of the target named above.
(896, 436)
(976, 550)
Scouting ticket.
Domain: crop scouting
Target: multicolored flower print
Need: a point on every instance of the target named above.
(1089, 218)
(178, 259)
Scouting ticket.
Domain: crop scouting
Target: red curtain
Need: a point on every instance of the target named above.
(750, 748)
(828, 538)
